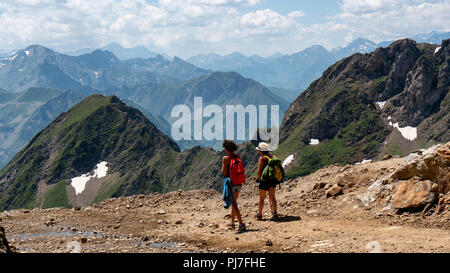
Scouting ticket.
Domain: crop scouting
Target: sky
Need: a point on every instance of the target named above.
(189, 27)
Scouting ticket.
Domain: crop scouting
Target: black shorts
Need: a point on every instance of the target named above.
(266, 185)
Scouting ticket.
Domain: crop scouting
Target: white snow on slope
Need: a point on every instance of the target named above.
(314, 141)
(437, 50)
(381, 104)
(288, 161)
(364, 161)
(79, 183)
(408, 132)
(27, 52)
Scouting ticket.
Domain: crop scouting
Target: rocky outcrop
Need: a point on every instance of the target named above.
(423, 180)
(4, 246)
(391, 101)
(414, 194)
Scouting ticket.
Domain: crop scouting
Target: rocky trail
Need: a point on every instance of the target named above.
(333, 210)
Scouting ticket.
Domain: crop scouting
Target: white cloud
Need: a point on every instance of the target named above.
(391, 19)
(187, 27)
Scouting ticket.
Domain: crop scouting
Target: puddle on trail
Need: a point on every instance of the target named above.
(28, 236)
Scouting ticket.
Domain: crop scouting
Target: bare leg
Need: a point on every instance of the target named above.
(262, 197)
(273, 200)
(237, 212)
(233, 214)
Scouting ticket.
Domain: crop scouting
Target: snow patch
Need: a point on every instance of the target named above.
(314, 141)
(27, 52)
(288, 161)
(437, 50)
(381, 104)
(364, 161)
(79, 183)
(408, 132)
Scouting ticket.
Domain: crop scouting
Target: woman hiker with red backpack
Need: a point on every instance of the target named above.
(233, 168)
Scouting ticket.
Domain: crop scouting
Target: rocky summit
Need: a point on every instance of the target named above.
(391, 101)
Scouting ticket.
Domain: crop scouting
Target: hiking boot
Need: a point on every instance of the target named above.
(241, 228)
(258, 216)
(231, 226)
(275, 217)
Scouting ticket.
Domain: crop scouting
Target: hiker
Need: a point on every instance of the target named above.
(268, 179)
(233, 169)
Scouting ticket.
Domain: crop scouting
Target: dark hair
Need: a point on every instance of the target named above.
(230, 145)
(265, 152)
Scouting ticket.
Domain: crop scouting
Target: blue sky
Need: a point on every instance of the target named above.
(189, 27)
(315, 11)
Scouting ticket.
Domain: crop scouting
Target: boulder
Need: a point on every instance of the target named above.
(416, 183)
(4, 246)
(414, 194)
(444, 202)
(334, 191)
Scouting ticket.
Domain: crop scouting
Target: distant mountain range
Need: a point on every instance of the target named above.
(123, 53)
(219, 88)
(102, 72)
(39, 66)
(296, 71)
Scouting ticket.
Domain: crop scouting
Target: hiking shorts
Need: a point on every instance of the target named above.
(236, 188)
(266, 185)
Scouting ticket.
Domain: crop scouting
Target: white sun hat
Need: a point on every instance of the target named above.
(263, 147)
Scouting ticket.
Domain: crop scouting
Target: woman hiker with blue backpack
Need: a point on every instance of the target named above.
(270, 174)
(233, 170)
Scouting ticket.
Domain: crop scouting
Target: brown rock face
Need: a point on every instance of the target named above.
(334, 191)
(418, 182)
(4, 246)
(433, 165)
(413, 194)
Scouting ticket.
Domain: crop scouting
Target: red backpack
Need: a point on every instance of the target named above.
(237, 171)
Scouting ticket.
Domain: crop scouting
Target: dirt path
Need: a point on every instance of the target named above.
(196, 222)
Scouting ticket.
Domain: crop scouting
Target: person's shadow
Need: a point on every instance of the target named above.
(288, 218)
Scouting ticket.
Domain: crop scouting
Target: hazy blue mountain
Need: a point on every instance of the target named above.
(231, 62)
(42, 67)
(266, 60)
(219, 88)
(295, 71)
(360, 45)
(124, 53)
(76, 52)
(24, 114)
(6, 53)
(175, 69)
(434, 37)
(287, 94)
(98, 59)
